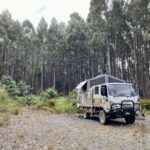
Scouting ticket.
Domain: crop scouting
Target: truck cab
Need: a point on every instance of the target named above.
(116, 100)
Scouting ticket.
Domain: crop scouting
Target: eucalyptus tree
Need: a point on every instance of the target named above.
(10, 45)
(56, 47)
(5, 25)
(119, 35)
(97, 36)
(42, 47)
(29, 51)
(76, 49)
(139, 19)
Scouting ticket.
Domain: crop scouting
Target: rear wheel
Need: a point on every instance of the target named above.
(102, 117)
(130, 119)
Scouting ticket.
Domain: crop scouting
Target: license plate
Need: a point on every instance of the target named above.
(127, 113)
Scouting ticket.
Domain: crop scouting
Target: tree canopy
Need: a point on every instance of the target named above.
(115, 39)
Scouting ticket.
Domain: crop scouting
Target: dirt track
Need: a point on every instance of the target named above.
(33, 130)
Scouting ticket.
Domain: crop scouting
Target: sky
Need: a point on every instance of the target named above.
(35, 9)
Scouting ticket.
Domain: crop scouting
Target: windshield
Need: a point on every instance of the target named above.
(121, 90)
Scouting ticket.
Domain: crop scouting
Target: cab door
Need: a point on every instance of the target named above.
(96, 96)
(104, 95)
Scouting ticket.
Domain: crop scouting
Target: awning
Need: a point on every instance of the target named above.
(80, 85)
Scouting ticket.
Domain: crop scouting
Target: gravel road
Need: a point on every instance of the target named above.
(33, 130)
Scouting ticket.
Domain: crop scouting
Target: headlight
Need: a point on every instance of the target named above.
(116, 106)
(136, 106)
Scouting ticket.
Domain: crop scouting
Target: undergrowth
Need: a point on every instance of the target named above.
(8, 107)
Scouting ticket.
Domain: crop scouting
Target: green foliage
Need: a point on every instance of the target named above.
(37, 102)
(20, 89)
(145, 104)
(3, 94)
(48, 94)
(51, 103)
(73, 94)
(21, 101)
(23, 88)
(8, 106)
(10, 85)
(4, 119)
(65, 105)
(55, 105)
(51, 93)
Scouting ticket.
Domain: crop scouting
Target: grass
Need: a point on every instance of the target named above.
(8, 107)
(63, 104)
(6, 110)
(145, 105)
(4, 119)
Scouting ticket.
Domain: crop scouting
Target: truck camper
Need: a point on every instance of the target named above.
(107, 97)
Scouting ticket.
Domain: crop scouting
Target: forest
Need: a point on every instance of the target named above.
(114, 39)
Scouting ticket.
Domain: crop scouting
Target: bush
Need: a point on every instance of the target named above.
(21, 101)
(8, 106)
(51, 103)
(48, 94)
(14, 110)
(37, 103)
(3, 109)
(3, 94)
(145, 104)
(4, 118)
(12, 107)
(10, 85)
(23, 88)
(20, 89)
(73, 94)
(28, 99)
(65, 105)
(51, 93)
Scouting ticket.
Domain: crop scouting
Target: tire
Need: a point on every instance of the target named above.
(102, 117)
(130, 119)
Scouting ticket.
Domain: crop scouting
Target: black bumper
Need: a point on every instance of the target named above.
(124, 109)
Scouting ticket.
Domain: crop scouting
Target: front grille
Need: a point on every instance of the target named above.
(127, 105)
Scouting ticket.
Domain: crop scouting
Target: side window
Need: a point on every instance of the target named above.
(97, 90)
(104, 90)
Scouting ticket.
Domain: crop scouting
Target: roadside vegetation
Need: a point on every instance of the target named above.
(8, 106)
(52, 102)
(145, 105)
(14, 95)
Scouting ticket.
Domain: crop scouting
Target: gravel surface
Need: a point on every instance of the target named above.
(33, 130)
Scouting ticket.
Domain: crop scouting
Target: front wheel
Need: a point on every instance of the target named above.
(102, 117)
(130, 119)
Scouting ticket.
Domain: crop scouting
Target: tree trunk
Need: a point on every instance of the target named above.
(108, 56)
(54, 78)
(135, 59)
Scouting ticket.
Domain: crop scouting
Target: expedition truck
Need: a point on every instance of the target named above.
(108, 97)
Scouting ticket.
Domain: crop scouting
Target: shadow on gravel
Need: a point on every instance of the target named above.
(111, 122)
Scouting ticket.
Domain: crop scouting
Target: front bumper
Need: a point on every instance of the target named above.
(125, 108)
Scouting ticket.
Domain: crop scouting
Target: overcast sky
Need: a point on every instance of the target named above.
(35, 9)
